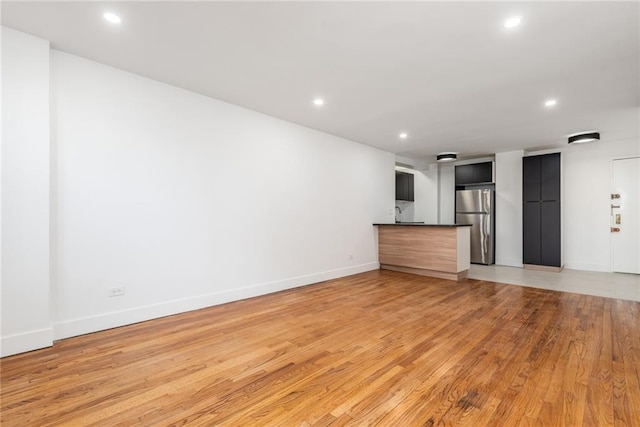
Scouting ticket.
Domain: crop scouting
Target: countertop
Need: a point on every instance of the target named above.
(420, 224)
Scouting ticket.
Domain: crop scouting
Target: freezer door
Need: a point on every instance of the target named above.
(481, 236)
(473, 201)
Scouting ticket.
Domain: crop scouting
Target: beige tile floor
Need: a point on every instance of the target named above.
(610, 285)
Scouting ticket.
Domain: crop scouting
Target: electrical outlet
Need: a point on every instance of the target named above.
(115, 292)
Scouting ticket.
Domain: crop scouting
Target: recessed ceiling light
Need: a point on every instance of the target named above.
(512, 22)
(318, 101)
(403, 135)
(112, 17)
(550, 102)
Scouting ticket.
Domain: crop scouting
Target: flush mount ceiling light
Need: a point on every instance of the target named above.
(447, 157)
(112, 17)
(403, 135)
(582, 137)
(550, 103)
(513, 22)
(318, 101)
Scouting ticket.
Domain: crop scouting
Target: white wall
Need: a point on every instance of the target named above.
(188, 202)
(446, 193)
(26, 319)
(426, 190)
(587, 200)
(508, 173)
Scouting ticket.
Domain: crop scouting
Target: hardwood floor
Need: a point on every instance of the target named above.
(379, 348)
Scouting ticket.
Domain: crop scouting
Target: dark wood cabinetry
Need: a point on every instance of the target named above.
(404, 186)
(541, 215)
(477, 173)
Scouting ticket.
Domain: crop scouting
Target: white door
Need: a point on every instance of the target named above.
(625, 215)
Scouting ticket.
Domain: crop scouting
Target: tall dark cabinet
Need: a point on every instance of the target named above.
(541, 215)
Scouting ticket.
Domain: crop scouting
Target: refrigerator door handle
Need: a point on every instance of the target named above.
(487, 233)
(486, 201)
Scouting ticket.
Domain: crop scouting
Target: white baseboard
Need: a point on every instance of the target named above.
(587, 267)
(85, 325)
(20, 343)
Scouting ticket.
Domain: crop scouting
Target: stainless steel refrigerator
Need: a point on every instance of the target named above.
(476, 207)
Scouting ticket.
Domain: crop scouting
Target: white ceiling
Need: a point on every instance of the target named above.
(447, 73)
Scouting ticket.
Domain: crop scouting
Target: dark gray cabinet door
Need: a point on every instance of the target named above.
(531, 179)
(404, 186)
(550, 177)
(464, 174)
(531, 233)
(550, 233)
(483, 172)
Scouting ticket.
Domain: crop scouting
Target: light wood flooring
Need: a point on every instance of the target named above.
(379, 348)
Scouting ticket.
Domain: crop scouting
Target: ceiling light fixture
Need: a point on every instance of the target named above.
(447, 157)
(403, 135)
(550, 103)
(112, 17)
(513, 22)
(318, 101)
(579, 138)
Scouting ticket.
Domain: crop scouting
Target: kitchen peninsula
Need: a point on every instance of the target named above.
(437, 250)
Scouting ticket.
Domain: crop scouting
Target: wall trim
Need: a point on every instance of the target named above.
(587, 267)
(27, 341)
(85, 325)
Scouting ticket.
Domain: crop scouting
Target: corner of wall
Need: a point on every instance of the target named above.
(27, 341)
(25, 261)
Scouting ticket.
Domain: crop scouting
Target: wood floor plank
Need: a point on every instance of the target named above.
(378, 348)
